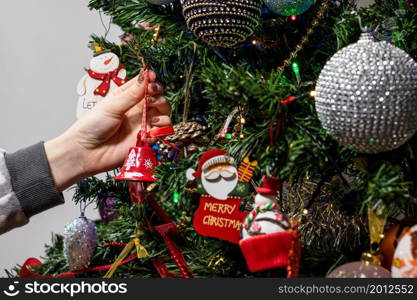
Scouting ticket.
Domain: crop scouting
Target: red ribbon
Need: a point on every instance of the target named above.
(136, 191)
(26, 272)
(272, 136)
(163, 270)
(166, 231)
(161, 214)
(143, 133)
(162, 131)
(104, 87)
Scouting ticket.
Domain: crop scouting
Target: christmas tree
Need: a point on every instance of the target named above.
(246, 82)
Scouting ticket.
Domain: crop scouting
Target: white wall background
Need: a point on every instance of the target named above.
(43, 50)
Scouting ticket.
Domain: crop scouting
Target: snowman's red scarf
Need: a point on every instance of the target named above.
(104, 87)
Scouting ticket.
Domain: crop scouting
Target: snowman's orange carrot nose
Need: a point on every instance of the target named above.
(106, 62)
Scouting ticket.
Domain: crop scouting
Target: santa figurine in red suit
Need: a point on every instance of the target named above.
(222, 186)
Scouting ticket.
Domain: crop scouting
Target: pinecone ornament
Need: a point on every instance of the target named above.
(189, 136)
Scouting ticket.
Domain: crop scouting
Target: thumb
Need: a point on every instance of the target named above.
(130, 94)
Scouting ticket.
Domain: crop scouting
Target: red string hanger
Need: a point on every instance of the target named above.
(142, 134)
(141, 160)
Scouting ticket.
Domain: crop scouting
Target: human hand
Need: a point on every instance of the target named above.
(100, 140)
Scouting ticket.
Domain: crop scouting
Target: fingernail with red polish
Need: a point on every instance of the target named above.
(155, 120)
(153, 87)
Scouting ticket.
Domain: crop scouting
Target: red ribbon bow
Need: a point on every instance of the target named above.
(104, 87)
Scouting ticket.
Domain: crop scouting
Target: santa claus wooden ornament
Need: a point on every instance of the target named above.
(222, 186)
(267, 236)
(104, 75)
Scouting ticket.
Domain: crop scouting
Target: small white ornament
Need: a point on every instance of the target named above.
(104, 75)
(269, 219)
(404, 264)
(266, 222)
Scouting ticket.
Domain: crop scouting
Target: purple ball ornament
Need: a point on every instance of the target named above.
(106, 209)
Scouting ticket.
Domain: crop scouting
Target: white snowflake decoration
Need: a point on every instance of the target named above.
(148, 163)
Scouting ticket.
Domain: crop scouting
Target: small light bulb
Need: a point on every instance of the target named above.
(293, 17)
(242, 120)
(305, 211)
(241, 136)
(296, 70)
(295, 66)
(313, 94)
(176, 197)
(254, 42)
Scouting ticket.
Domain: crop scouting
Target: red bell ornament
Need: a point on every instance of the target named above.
(141, 159)
(139, 165)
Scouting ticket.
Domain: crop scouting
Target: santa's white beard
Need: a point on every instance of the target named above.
(220, 188)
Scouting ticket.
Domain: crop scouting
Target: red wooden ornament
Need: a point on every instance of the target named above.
(218, 214)
(220, 219)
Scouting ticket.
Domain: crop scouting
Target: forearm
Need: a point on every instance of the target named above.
(65, 162)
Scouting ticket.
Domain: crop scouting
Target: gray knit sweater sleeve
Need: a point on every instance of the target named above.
(26, 186)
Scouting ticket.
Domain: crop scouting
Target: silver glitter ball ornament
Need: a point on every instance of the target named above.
(160, 2)
(366, 96)
(289, 7)
(80, 241)
(222, 23)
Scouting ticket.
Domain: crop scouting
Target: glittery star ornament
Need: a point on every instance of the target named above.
(366, 96)
(80, 240)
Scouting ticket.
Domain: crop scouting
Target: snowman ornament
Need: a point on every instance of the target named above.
(104, 75)
(267, 236)
(265, 217)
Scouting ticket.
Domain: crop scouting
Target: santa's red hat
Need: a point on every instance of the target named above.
(209, 159)
(270, 186)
